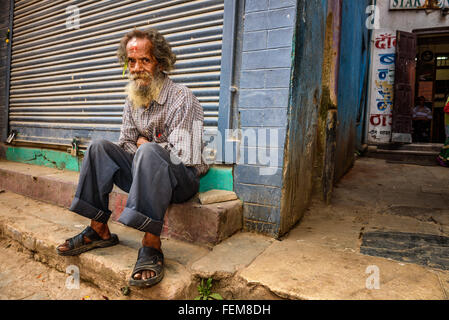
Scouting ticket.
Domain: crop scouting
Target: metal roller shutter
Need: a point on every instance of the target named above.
(68, 83)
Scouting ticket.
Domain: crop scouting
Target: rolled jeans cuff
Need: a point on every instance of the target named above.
(139, 221)
(86, 210)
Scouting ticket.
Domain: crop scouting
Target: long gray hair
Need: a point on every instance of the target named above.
(161, 49)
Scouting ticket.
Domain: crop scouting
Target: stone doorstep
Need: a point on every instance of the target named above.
(206, 224)
(423, 155)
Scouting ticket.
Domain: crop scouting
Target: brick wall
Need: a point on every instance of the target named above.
(262, 105)
(4, 25)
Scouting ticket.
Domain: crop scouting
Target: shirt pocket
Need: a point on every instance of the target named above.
(159, 135)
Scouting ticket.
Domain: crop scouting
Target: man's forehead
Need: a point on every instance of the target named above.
(138, 45)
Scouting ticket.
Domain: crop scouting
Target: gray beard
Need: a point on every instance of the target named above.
(142, 96)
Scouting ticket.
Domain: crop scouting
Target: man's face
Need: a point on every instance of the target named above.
(142, 65)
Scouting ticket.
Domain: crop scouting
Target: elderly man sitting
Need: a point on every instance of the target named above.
(158, 159)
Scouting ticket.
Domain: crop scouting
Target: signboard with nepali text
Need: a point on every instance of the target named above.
(381, 87)
(418, 4)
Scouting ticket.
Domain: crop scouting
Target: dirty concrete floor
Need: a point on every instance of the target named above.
(23, 278)
(321, 257)
(322, 253)
(380, 196)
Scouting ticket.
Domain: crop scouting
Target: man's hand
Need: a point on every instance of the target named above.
(141, 140)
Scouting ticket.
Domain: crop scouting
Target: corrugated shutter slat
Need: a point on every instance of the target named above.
(68, 83)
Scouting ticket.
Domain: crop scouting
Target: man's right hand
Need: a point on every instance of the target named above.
(141, 140)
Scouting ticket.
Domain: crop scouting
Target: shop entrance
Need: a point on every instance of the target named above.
(431, 87)
(421, 86)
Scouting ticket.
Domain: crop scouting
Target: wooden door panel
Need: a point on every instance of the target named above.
(403, 92)
(404, 88)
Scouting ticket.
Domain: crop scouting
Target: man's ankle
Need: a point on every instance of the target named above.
(151, 240)
(101, 228)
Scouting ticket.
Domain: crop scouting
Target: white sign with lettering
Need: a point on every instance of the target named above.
(418, 4)
(380, 117)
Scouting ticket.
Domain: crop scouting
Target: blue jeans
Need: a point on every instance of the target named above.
(150, 178)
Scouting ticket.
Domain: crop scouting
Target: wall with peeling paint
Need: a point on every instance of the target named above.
(306, 90)
(262, 102)
(281, 88)
(323, 175)
(354, 59)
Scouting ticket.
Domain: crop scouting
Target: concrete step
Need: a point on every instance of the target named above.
(191, 221)
(40, 227)
(419, 154)
(431, 147)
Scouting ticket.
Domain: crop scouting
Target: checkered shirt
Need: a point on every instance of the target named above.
(174, 121)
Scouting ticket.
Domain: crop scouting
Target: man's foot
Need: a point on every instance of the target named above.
(100, 228)
(149, 240)
(150, 264)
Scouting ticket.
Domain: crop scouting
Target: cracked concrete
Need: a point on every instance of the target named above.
(320, 258)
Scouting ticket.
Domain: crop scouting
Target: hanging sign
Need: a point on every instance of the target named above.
(418, 4)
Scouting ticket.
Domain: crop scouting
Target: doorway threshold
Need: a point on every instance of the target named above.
(415, 153)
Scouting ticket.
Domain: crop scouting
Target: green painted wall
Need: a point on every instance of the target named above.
(216, 178)
(44, 157)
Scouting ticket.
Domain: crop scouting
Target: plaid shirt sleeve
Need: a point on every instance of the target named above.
(185, 129)
(128, 132)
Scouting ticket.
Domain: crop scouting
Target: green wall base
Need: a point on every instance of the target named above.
(216, 178)
(43, 157)
(219, 178)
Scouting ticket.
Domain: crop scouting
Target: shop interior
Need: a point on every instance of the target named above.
(432, 88)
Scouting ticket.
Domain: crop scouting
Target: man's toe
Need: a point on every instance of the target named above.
(146, 274)
(137, 276)
(63, 247)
